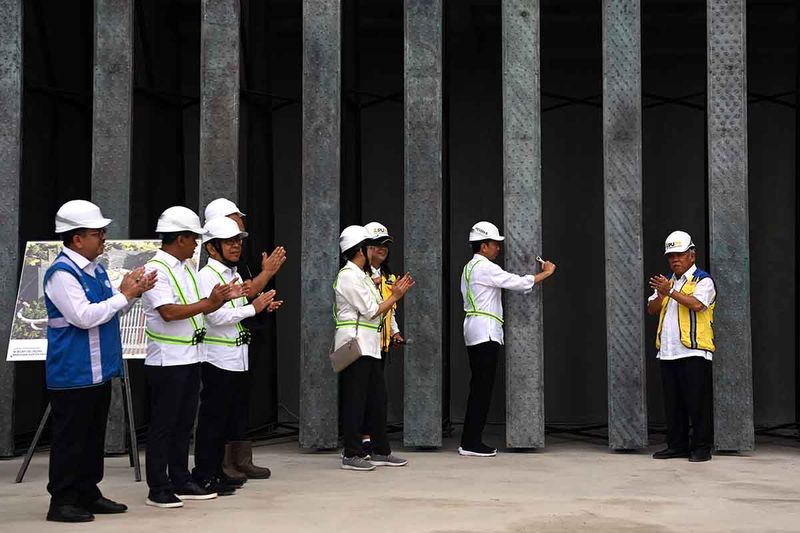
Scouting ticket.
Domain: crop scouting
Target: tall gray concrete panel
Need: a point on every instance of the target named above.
(622, 158)
(10, 157)
(219, 101)
(729, 224)
(111, 146)
(522, 183)
(320, 227)
(422, 419)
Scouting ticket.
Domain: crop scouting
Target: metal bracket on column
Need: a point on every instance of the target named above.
(320, 219)
(10, 158)
(422, 424)
(522, 178)
(729, 224)
(622, 151)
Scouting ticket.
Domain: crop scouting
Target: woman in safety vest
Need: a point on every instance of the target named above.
(359, 313)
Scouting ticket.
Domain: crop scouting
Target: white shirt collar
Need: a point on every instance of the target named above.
(168, 258)
(689, 273)
(353, 266)
(221, 267)
(78, 259)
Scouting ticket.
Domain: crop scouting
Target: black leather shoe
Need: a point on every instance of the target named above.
(68, 513)
(700, 455)
(671, 453)
(105, 506)
(235, 483)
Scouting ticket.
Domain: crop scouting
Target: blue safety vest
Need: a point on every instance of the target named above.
(81, 357)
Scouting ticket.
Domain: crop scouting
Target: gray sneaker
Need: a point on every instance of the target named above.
(356, 463)
(387, 460)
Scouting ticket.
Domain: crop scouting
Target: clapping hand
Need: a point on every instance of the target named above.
(660, 284)
(273, 262)
(136, 282)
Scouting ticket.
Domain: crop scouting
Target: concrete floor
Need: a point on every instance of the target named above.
(570, 486)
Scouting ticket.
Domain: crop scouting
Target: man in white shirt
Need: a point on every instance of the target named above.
(84, 353)
(685, 303)
(175, 329)
(238, 463)
(482, 282)
(226, 351)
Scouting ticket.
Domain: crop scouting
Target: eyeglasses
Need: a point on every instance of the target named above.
(96, 233)
(232, 241)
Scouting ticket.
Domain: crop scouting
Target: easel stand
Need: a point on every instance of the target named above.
(127, 406)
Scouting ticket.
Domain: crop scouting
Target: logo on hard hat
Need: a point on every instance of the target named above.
(674, 244)
(480, 230)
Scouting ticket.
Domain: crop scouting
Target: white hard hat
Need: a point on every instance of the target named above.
(485, 231)
(378, 232)
(77, 214)
(351, 236)
(222, 228)
(677, 241)
(178, 218)
(221, 207)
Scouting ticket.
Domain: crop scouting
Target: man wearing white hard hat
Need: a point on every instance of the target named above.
(685, 302)
(84, 353)
(358, 312)
(482, 283)
(226, 352)
(238, 462)
(175, 328)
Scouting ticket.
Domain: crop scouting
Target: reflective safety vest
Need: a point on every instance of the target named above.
(473, 307)
(81, 357)
(197, 321)
(367, 324)
(243, 334)
(697, 329)
(386, 292)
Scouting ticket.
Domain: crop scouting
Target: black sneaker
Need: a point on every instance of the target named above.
(68, 513)
(480, 450)
(192, 491)
(163, 499)
(214, 485)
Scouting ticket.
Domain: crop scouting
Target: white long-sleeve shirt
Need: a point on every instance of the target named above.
(357, 298)
(222, 322)
(671, 346)
(487, 281)
(67, 294)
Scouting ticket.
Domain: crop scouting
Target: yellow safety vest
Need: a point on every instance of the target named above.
(697, 329)
(387, 285)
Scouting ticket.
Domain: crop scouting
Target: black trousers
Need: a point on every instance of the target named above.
(174, 392)
(78, 425)
(216, 406)
(239, 416)
(384, 358)
(483, 366)
(363, 406)
(688, 396)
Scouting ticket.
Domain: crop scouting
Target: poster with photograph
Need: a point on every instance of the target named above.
(28, 340)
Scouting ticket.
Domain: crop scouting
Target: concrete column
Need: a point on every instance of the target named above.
(319, 259)
(219, 101)
(111, 146)
(728, 224)
(422, 421)
(522, 182)
(622, 168)
(10, 157)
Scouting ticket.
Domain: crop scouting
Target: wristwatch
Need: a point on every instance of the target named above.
(671, 290)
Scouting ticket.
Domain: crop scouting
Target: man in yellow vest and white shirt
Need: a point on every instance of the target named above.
(482, 283)
(175, 329)
(685, 304)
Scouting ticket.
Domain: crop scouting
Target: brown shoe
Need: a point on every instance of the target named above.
(229, 466)
(243, 460)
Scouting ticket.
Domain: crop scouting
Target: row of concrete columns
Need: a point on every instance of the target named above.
(424, 224)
